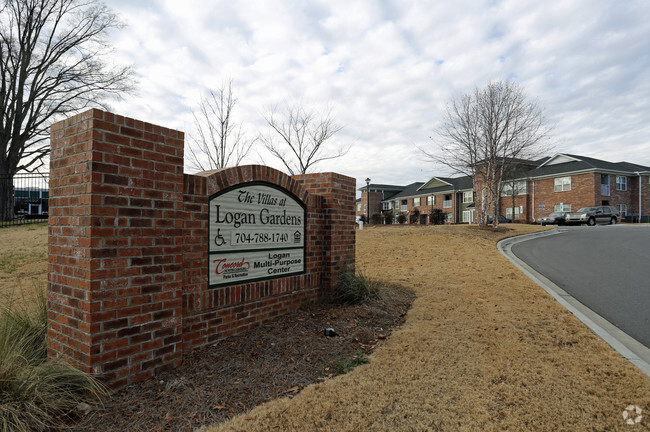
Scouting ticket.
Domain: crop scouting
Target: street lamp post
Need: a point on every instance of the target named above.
(368, 200)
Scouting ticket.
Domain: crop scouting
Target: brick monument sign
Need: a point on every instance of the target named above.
(146, 262)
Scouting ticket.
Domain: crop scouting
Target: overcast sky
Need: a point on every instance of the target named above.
(388, 68)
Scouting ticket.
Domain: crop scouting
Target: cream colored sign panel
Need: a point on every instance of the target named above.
(256, 231)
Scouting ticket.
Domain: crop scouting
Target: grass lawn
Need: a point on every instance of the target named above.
(482, 349)
(23, 263)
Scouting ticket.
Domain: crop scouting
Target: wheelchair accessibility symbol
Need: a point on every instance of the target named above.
(218, 239)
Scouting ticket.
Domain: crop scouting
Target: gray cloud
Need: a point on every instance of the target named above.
(387, 69)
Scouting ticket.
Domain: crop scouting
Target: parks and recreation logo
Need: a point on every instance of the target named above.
(233, 268)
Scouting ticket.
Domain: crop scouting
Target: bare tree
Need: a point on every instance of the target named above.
(483, 133)
(53, 63)
(219, 141)
(303, 135)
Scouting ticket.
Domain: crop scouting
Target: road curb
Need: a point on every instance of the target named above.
(628, 347)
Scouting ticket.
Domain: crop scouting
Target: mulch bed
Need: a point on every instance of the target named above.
(276, 359)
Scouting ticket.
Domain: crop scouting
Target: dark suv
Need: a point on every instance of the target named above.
(592, 215)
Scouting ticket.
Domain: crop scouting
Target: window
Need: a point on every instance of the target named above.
(359, 207)
(468, 216)
(562, 184)
(562, 207)
(468, 197)
(446, 201)
(622, 208)
(386, 205)
(520, 188)
(416, 202)
(404, 206)
(509, 213)
(449, 217)
(621, 183)
(604, 184)
(431, 200)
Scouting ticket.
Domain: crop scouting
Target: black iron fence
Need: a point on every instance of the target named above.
(23, 198)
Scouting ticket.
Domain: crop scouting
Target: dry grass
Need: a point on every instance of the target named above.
(483, 349)
(23, 263)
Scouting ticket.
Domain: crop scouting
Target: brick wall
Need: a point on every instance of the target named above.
(586, 191)
(583, 193)
(128, 248)
(522, 202)
(375, 203)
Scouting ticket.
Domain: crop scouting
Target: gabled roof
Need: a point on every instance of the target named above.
(449, 184)
(567, 163)
(435, 182)
(460, 183)
(408, 191)
(558, 159)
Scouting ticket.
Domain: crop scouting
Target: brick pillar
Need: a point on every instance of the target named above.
(339, 199)
(115, 254)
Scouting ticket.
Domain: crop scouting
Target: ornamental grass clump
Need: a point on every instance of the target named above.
(36, 394)
(355, 288)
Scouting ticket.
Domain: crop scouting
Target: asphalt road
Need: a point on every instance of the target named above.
(606, 268)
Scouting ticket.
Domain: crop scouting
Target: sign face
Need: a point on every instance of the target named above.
(256, 232)
(542, 206)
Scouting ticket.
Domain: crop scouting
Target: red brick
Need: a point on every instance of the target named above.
(140, 282)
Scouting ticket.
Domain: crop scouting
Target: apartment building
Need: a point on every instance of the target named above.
(563, 182)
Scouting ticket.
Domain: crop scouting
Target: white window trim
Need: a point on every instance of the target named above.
(471, 197)
(418, 202)
(565, 186)
(623, 184)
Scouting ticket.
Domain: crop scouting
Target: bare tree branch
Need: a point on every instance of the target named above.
(303, 135)
(53, 63)
(217, 141)
(484, 133)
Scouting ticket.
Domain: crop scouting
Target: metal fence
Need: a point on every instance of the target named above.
(24, 199)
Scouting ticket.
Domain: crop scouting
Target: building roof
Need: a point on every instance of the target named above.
(408, 191)
(566, 163)
(561, 163)
(383, 187)
(451, 184)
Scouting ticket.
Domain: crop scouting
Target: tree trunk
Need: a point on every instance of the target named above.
(6, 195)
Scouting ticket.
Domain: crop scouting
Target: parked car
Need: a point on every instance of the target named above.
(593, 215)
(555, 218)
(502, 219)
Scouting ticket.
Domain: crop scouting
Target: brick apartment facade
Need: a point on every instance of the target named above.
(560, 183)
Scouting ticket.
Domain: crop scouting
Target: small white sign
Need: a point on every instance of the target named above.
(256, 231)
